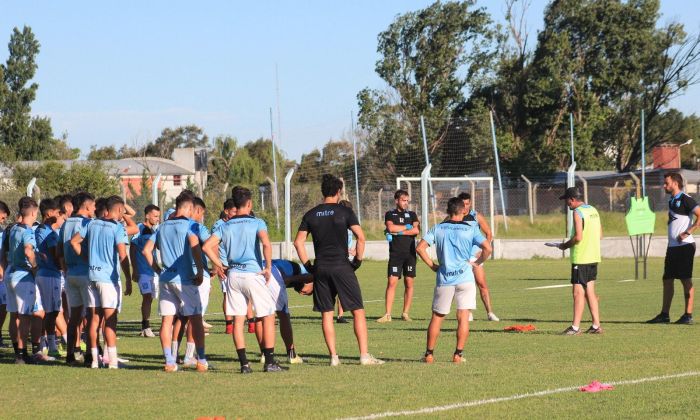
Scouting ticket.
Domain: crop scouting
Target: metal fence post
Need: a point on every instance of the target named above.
(424, 179)
(379, 204)
(529, 198)
(585, 187)
(288, 214)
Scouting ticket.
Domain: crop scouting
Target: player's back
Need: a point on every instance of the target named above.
(454, 246)
(239, 238)
(175, 251)
(328, 224)
(75, 263)
(46, 238)
(20, 237)
(138, 241)
(102, 236)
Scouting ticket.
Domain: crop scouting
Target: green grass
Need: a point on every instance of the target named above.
(499, 364)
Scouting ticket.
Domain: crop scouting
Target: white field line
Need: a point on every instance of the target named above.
(556, 286)
(626, 281)
(437, 409)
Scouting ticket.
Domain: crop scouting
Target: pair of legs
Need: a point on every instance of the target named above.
(669, 290)
(480, 277)
(435, 327)
(359, 325)
(582, 295)
(171, 329)
(391, 292)
(75, 322)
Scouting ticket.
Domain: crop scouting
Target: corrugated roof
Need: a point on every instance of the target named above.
(125, 167)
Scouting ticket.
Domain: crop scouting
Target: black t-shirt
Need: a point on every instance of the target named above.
(328, 225)
(401, 243)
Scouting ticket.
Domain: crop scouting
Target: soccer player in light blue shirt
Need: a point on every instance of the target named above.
(228, 212)
(182, 273)
(77, 281)
(106, 242)
(454, 241)
(143, 272)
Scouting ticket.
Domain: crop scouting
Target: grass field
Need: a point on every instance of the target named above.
(500, 364)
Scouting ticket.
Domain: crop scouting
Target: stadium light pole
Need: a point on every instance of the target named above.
(354, 152)
(644, 160)
(288, 214)
(275, 199)
(571, 135)
(498, 171)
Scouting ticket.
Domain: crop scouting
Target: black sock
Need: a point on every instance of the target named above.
(269, 356)
(35, 348)
(458, 352)
(291, 353)
(15, 346)
(229, 322)
(23, 353)
(242, 358)
(145, 324)
(428, 352)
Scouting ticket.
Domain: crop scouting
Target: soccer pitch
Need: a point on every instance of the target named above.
(536, 374)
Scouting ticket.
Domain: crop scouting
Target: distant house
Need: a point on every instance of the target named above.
(187, 166)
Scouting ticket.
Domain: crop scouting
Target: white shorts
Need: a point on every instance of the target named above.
(244, 287)
(180, 299)
(50, 291)
(106, 295)
(279, 294)
(464, 294)
(78, 291)
(23, 298)
(204, 291)
(147, 284)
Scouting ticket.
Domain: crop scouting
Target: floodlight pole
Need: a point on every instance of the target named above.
(644, 160)
(288, 214)
(357, 182)
(275, 198)
(498, 171)
(571, 135)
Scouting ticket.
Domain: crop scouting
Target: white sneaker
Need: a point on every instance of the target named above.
(370, 360)
(262, 359)
(471, 317)
(95, 364)
(189, 363)
(206, 325)
(296, 360)
(112, 366)
(493, 317)
(335, 360)
(147, 332)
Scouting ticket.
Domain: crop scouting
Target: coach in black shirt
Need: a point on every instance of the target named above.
(334, 274)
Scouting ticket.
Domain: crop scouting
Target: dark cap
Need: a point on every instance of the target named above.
(572, 192)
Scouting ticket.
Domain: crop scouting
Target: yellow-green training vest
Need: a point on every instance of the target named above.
(588, 250)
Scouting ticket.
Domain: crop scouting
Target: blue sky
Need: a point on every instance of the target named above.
(119, 72)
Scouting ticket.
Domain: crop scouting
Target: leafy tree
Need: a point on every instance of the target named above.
(55, 178)
(171, 139)
(102, 153)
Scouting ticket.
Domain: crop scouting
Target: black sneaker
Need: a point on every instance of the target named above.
(592, 330)
(571, 331)
(341, 320)
(273, 367)
(660, 319)
(685, 320)
(246, 369)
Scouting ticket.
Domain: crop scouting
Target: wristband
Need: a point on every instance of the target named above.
(409, 227)
(309, 267)
(355, 263)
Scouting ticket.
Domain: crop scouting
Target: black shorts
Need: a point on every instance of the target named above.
(336, 280)
(583, 273)
(678, 263)
(402, 264)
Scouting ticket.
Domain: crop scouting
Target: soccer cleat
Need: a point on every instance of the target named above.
(471, 316)
(458, 358)
(246, 369)
(273, 367)
(95, 364)
(370, 360)
(405, 317)
(170, 368)
(386, 318)
(660, 319)
(427, 358)
(571, 331)
(147, 332)
(262, 359)
(493, 317)
(296, 360)
(206, 325)
(592, 330)
(229, 329)
(341, 320)
(335, 360)
(189, 363)
(685, 320)
(113, 366)
(202, 367)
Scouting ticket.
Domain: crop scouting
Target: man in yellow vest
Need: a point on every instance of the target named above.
(585, 256)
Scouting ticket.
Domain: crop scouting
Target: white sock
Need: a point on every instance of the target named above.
(173, 348)
(112, 352)
(595, 327)
(52, 343)
(575, 328)
(95, 354)
(189, 353)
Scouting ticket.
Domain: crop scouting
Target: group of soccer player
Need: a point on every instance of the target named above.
(64, 260)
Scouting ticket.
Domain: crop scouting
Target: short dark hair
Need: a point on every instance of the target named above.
(464, 196)
(229, 204)
(330, 185)
(25, 204)
(100, 206)
(234, 189)
(4, 208)
(455, 205)
(676, 177)
(46, 205)
(149, 208)
(62, 199)
(241, 196)
(199, 202)
(345, 203)
(80, 198)
(114, 201)
(186, 196)
(400, 193)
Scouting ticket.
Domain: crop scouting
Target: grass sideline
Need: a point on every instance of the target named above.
(499, 364)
